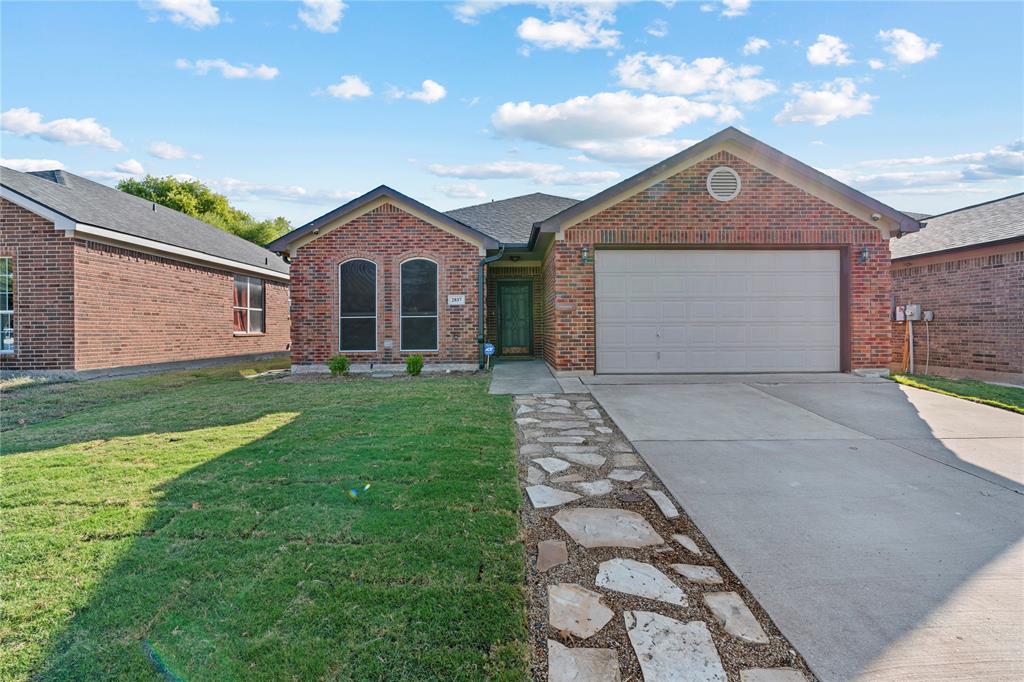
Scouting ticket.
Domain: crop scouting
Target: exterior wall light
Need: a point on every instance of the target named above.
(585, 256)
(865, 255)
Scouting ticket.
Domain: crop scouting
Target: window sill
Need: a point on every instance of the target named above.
(250, 333)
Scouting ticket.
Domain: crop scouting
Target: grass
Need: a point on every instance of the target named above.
(1005, 397)
(202, 520)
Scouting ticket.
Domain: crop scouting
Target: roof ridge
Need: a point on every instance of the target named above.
(978, 205)
(518, 196)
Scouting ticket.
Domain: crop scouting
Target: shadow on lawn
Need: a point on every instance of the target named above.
(258, 564)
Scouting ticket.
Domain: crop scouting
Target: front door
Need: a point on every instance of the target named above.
(515, 318)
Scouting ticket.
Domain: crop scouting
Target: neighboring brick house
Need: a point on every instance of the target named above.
(92, 278)
(966, 267)
(727, 257)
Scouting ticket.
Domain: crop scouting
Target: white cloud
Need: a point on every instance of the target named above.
(349, 87)
(29, 165)
(228, 70)
(322, 16)
(470, 11)
(876, 64)
(908, 47)
(711, 78)
(429, 92)
(634, 150)
(109, 177)
(834, 100)
(829, 50)
(463, 190)
(166, 150)
(243, 190)
(657, 28)
(130, 166)
(1002, 160)
(194, 14)
(730, 8)
(755, 45)
(24, 122)
(540, 173)
(572, 27)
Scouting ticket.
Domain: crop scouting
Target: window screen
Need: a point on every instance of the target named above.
(357, 287)
(419, 305)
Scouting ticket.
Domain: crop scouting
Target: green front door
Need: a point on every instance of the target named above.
(515, 318)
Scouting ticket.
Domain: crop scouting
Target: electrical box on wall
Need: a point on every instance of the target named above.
(912, 311)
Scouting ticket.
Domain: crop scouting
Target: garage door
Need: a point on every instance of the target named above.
(717, 311)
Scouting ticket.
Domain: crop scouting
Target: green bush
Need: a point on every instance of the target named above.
(339, 365)
(414, 365)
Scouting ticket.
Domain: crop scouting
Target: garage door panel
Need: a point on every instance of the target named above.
(717, 311)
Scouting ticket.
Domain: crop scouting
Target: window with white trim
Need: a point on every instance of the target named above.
(419, 305)
(6, 305)
(248, 305)
(357, 306)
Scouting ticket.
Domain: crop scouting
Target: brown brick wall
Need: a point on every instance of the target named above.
(534, 274)
(679, 211)
(133, 308)
(43, 290)
(978, 303)
(387, 236)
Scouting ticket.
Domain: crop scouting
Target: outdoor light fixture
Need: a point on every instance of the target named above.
(514, 259)
(865, 254)
(585, 256)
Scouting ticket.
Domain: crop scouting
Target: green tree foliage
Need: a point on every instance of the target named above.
(199, 201)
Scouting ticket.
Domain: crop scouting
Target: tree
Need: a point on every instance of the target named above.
(193, 198)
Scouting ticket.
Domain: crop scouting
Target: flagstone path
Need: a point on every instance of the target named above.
(622, 585)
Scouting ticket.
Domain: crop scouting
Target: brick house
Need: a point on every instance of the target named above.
(728, 257)
(92, 278)
(966, 267)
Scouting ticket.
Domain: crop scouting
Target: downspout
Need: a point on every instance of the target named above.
(480, 297)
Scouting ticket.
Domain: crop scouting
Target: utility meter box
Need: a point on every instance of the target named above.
(912, 311)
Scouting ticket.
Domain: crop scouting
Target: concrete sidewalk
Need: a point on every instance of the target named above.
(512, 377)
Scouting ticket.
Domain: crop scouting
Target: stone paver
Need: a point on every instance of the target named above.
(576, 610)
(534, 475)
(638, 579)
(552, 465)
(586, 404)
(568, 478)
(705, 575)
(558, 402)
(601, 527)
(560, 424)
(581, 665)
(523, 409)
(664, 504)
(602, 486)
(688, 544)
(672, 651)
(554, 410)
(551, 553)
(588, 459)
(626, 475)
(524, 421)
(626, 459)
(532, 449)
(542, 496)
(578, 432)
(603, 429)
(735, 617)
(772, 675)
(575, 440)
(591, 414)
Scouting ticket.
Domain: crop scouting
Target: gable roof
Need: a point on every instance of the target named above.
(990, 222)
(510, 221)
(363, 203)
(85, 203)
(754, 151)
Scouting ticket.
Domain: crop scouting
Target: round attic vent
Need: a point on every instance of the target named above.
(723, 183)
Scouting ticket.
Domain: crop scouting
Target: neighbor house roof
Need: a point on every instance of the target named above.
(993, 221)
(917, 216)
(361, 204)
(86, 204)
(751, 150)
(510, 221)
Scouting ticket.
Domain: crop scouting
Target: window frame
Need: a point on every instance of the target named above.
(247, 307)
(437, 306)
(376, 307)
(11, 310)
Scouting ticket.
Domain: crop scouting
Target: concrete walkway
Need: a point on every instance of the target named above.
(511, 377)
(880, 526)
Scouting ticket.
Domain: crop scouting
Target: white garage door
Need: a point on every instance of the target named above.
(717, 311)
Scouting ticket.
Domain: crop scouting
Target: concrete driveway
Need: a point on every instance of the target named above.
(881, 526)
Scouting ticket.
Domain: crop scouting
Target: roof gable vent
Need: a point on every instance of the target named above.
(723, 183)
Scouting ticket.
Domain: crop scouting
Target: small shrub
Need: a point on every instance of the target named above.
(338, 365)
(414, 365)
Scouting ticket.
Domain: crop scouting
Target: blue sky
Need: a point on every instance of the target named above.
(918, 104)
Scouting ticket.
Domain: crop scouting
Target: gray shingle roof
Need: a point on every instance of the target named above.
(510, 221)
(992, 221)
(85, 201)
(915, 215)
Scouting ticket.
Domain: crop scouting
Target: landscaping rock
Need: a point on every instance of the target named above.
(532, 449)
(576, 610)
(639, 579)
(595, 488)
(735, 617)
(555, 410)
(626, 474)
(705, 575)
(568, 478)
(551, 553)
(622, 447)
(523, 421)
(664, 504)
(672, 651)
(523, 409)
(603, 429)
(534, 475)
(626, 459)
(578, 432)
(585, 404)
(687, 542)
(592, 414)
(552, 465)
(600, 527)
(542, 496)
(558, 402)
(581, 665)
(629, 498)
(575, 440)
(588, 459)
(561, 424)
(772, 675)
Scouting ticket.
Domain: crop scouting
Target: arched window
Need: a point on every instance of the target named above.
(419, 305)
(357, 305)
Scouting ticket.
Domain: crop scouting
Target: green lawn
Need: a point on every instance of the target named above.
(200, 524)
(1005, 397)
